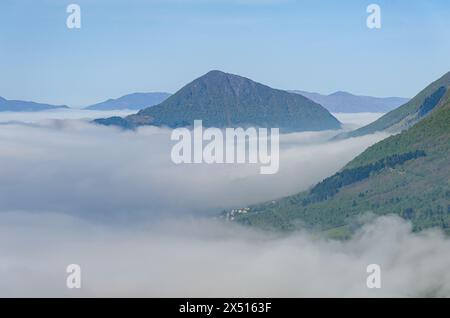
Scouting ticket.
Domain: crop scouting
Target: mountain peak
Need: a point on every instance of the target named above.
(216, 75)
(341, 93)
(226, 100)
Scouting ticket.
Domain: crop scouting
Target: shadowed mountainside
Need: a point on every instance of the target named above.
(412, 112)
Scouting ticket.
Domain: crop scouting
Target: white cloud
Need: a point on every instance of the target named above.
(33, 117)
(202, 258)
(113, 202)
(73, 167)
(353, 121)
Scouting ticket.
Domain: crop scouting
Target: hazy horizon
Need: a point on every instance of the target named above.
(153, 91)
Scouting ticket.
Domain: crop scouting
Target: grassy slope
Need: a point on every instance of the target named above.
(418, 190)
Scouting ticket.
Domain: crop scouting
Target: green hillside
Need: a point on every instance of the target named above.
(407, 174)
(227, 100)
(410, 113)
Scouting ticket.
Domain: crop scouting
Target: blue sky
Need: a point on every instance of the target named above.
(137, 45)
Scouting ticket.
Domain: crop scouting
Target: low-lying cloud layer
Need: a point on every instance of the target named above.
(114, 202)
(202, 258)
(74, 167)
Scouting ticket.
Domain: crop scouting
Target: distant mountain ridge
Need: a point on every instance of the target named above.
(227, 100)
(344, 102)
(135, 101)
(25, 106)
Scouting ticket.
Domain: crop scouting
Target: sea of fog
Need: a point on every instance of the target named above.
(113, 202)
